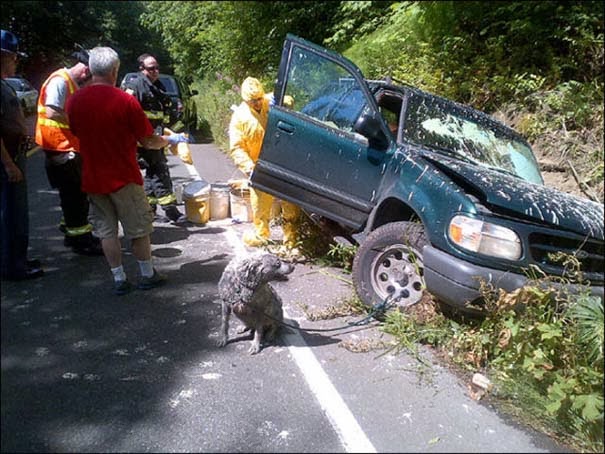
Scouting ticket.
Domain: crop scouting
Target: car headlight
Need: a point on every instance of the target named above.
(485, 238)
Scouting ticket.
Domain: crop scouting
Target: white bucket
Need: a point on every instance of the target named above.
(219, 201)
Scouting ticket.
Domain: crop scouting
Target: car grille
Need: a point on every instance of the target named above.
(589, 253)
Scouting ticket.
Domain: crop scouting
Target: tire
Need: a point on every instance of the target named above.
(389, 264)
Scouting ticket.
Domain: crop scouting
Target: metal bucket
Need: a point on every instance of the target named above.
(196, 196)
(241, 210)
(219, 201)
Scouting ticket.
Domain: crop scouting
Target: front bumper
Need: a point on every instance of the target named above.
(457, 282)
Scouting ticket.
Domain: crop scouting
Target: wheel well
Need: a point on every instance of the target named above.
(392, 210)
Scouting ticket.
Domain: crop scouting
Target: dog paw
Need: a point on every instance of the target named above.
(254, 349)
(221, 343)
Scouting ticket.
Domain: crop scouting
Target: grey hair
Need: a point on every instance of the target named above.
(103, 61)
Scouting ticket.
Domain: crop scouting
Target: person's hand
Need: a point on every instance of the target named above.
(173, 139)
(13, 173)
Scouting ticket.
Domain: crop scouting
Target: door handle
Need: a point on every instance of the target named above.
(286, 127)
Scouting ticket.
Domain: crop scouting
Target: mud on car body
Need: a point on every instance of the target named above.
(445, 197)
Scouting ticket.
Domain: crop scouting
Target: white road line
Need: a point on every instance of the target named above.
(344, 423)
(192, 171)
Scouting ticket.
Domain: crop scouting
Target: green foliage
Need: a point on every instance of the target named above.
(355, 19)
(544, 353)
(341, 255)
(49, 30)
(216, 94)
(235, 38)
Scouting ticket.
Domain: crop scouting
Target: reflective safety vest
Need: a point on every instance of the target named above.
(152, 97)
(52, 134)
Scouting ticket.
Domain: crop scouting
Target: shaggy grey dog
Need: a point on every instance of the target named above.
(244, 290)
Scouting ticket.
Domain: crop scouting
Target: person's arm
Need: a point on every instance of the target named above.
(54, 102)
(54, 113)
(14, 173)
(237, 146)
(153, 142)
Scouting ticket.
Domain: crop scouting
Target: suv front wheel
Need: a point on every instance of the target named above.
(389, 264)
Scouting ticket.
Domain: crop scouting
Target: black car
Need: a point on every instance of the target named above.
(183, 112)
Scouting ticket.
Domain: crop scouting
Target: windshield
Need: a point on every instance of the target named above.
(443, 127)
(15, 84)
(170, 85)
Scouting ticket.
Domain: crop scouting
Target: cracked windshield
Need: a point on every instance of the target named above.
(430, 124)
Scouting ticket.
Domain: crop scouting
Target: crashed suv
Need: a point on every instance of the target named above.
(439, 196)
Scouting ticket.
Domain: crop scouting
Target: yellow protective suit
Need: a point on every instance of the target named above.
(246, 133)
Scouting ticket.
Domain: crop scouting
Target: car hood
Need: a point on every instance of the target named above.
(541, 203)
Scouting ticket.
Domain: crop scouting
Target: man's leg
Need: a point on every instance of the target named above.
(161, 182)
(291, 217)
(261, 203)
(74, 203)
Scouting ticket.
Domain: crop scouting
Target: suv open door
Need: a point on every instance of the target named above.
(327, 152)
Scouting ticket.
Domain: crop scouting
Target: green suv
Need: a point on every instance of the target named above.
(438, 195)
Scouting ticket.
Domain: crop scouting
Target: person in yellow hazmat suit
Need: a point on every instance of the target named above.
(246, 132)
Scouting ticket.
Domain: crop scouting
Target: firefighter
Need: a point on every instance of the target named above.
(151, 93)
(63, 162)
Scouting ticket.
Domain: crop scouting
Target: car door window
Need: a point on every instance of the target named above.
(322, 89)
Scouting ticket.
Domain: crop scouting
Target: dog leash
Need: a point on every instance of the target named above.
(376, 311)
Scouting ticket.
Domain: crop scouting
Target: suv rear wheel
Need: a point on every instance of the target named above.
(389, 264)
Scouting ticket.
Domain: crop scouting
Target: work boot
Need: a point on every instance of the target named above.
(86, 244)
(173, 213)
(253, 240)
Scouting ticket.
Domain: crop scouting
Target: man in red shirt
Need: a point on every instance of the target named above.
(109, 123)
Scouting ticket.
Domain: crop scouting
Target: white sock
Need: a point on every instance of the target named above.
(146, 267)
(118, 273)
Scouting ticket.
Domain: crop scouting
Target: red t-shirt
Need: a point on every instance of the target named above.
(108, 122)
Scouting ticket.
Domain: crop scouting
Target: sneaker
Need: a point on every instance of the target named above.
(147, 283)
(122, 287)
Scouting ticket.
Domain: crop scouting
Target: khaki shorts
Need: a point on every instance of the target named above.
(128, 205)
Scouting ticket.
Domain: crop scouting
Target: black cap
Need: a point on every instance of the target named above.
(81, 56)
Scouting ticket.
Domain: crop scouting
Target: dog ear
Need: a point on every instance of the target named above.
(252, 271)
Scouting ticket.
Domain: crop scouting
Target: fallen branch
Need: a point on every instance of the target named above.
(551, 167)
(583, 186)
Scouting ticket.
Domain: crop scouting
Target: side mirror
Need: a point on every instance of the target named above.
(370, 127)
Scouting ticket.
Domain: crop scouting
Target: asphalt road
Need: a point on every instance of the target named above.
(86, 371)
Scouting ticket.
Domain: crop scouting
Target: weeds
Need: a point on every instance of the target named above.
(542, 349)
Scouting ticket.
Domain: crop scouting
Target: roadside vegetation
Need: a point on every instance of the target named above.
(535, 65)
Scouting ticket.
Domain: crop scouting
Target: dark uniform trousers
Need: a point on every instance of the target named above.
(67, 178)
(14, 215)
(157, 181)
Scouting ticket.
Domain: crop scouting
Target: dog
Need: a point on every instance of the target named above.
(244, 290)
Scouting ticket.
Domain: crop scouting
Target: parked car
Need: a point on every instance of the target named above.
(26, 93)
(450, 201)
(183, 107)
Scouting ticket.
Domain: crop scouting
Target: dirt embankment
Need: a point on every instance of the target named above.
(569, 160)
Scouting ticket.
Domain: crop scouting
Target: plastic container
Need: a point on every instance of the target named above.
(196, 196)
(219, 201)
(241, 210)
